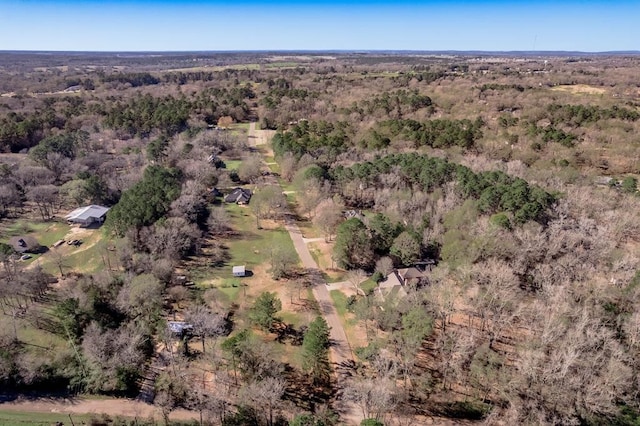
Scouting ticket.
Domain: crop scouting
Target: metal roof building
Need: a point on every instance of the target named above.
(87, 215)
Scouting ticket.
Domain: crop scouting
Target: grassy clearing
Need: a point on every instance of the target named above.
(368, 286)
(340, 302)
(39, 342)
(271, 162)
(282, 65)
(240, 126)
(251, 246)
(308, 229)
(354, 332)
(293, 318)
(90, 257)
(22, 227)
(231, 293)
(46, 233)
(19, 418)
(52, 233)
(232, 164)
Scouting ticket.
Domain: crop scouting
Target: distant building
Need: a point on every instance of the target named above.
(179, 327)
(350, 214)
(238, 196)
(239, 271)
(73, 89)
(25, 244)
(87, 215)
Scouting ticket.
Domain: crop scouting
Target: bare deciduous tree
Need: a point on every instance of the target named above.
(205, 323)
(328, 217)
(251, 168)
(265, 396)
(374, 397)
(384, 265)
(46, 198)
(355, 278)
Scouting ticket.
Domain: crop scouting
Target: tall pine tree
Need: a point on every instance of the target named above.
(315, 350)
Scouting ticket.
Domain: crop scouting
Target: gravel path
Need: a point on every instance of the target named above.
(341, 353)
(340, 349)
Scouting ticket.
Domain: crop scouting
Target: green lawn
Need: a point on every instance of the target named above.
(22, 227)
(232, 164)
(54, 232)
(46, 233)
(368, 286)
(37, 341)
(92, 256)
(18, 418)
(340, 302)
(240, 126)
(251, 246)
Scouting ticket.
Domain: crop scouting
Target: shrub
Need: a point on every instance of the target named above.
(501, 220)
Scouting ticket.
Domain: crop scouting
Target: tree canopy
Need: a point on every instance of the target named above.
(145, 202)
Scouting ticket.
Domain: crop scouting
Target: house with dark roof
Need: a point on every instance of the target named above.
(87, 215)
(25, 244)
(238, 196)
(400, 279)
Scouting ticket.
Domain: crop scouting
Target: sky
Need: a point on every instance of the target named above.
(215, 25)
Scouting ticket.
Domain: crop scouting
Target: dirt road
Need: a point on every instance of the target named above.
(340, 349)
(113, 407)
(341, 353)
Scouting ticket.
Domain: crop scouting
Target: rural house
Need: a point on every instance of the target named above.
(87, 215)
(238, 196)
(398, 280)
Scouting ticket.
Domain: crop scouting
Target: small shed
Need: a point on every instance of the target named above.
(239, 271)
(179, 327)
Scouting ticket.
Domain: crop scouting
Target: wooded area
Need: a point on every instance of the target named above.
(499, 192)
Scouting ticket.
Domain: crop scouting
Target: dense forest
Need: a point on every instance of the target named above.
(507, 186)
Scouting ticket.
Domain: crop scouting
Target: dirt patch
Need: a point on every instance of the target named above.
(112, 407)
(580, 89)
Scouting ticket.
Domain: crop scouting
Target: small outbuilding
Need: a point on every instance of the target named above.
(239, 271)
(88, 215)
(179, 327)
(25, 244)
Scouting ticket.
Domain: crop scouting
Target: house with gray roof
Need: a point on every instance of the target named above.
(87, 215)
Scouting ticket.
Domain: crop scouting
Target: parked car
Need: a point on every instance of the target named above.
(25, 257)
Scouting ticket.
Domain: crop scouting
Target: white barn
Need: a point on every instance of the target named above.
(87, 215)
